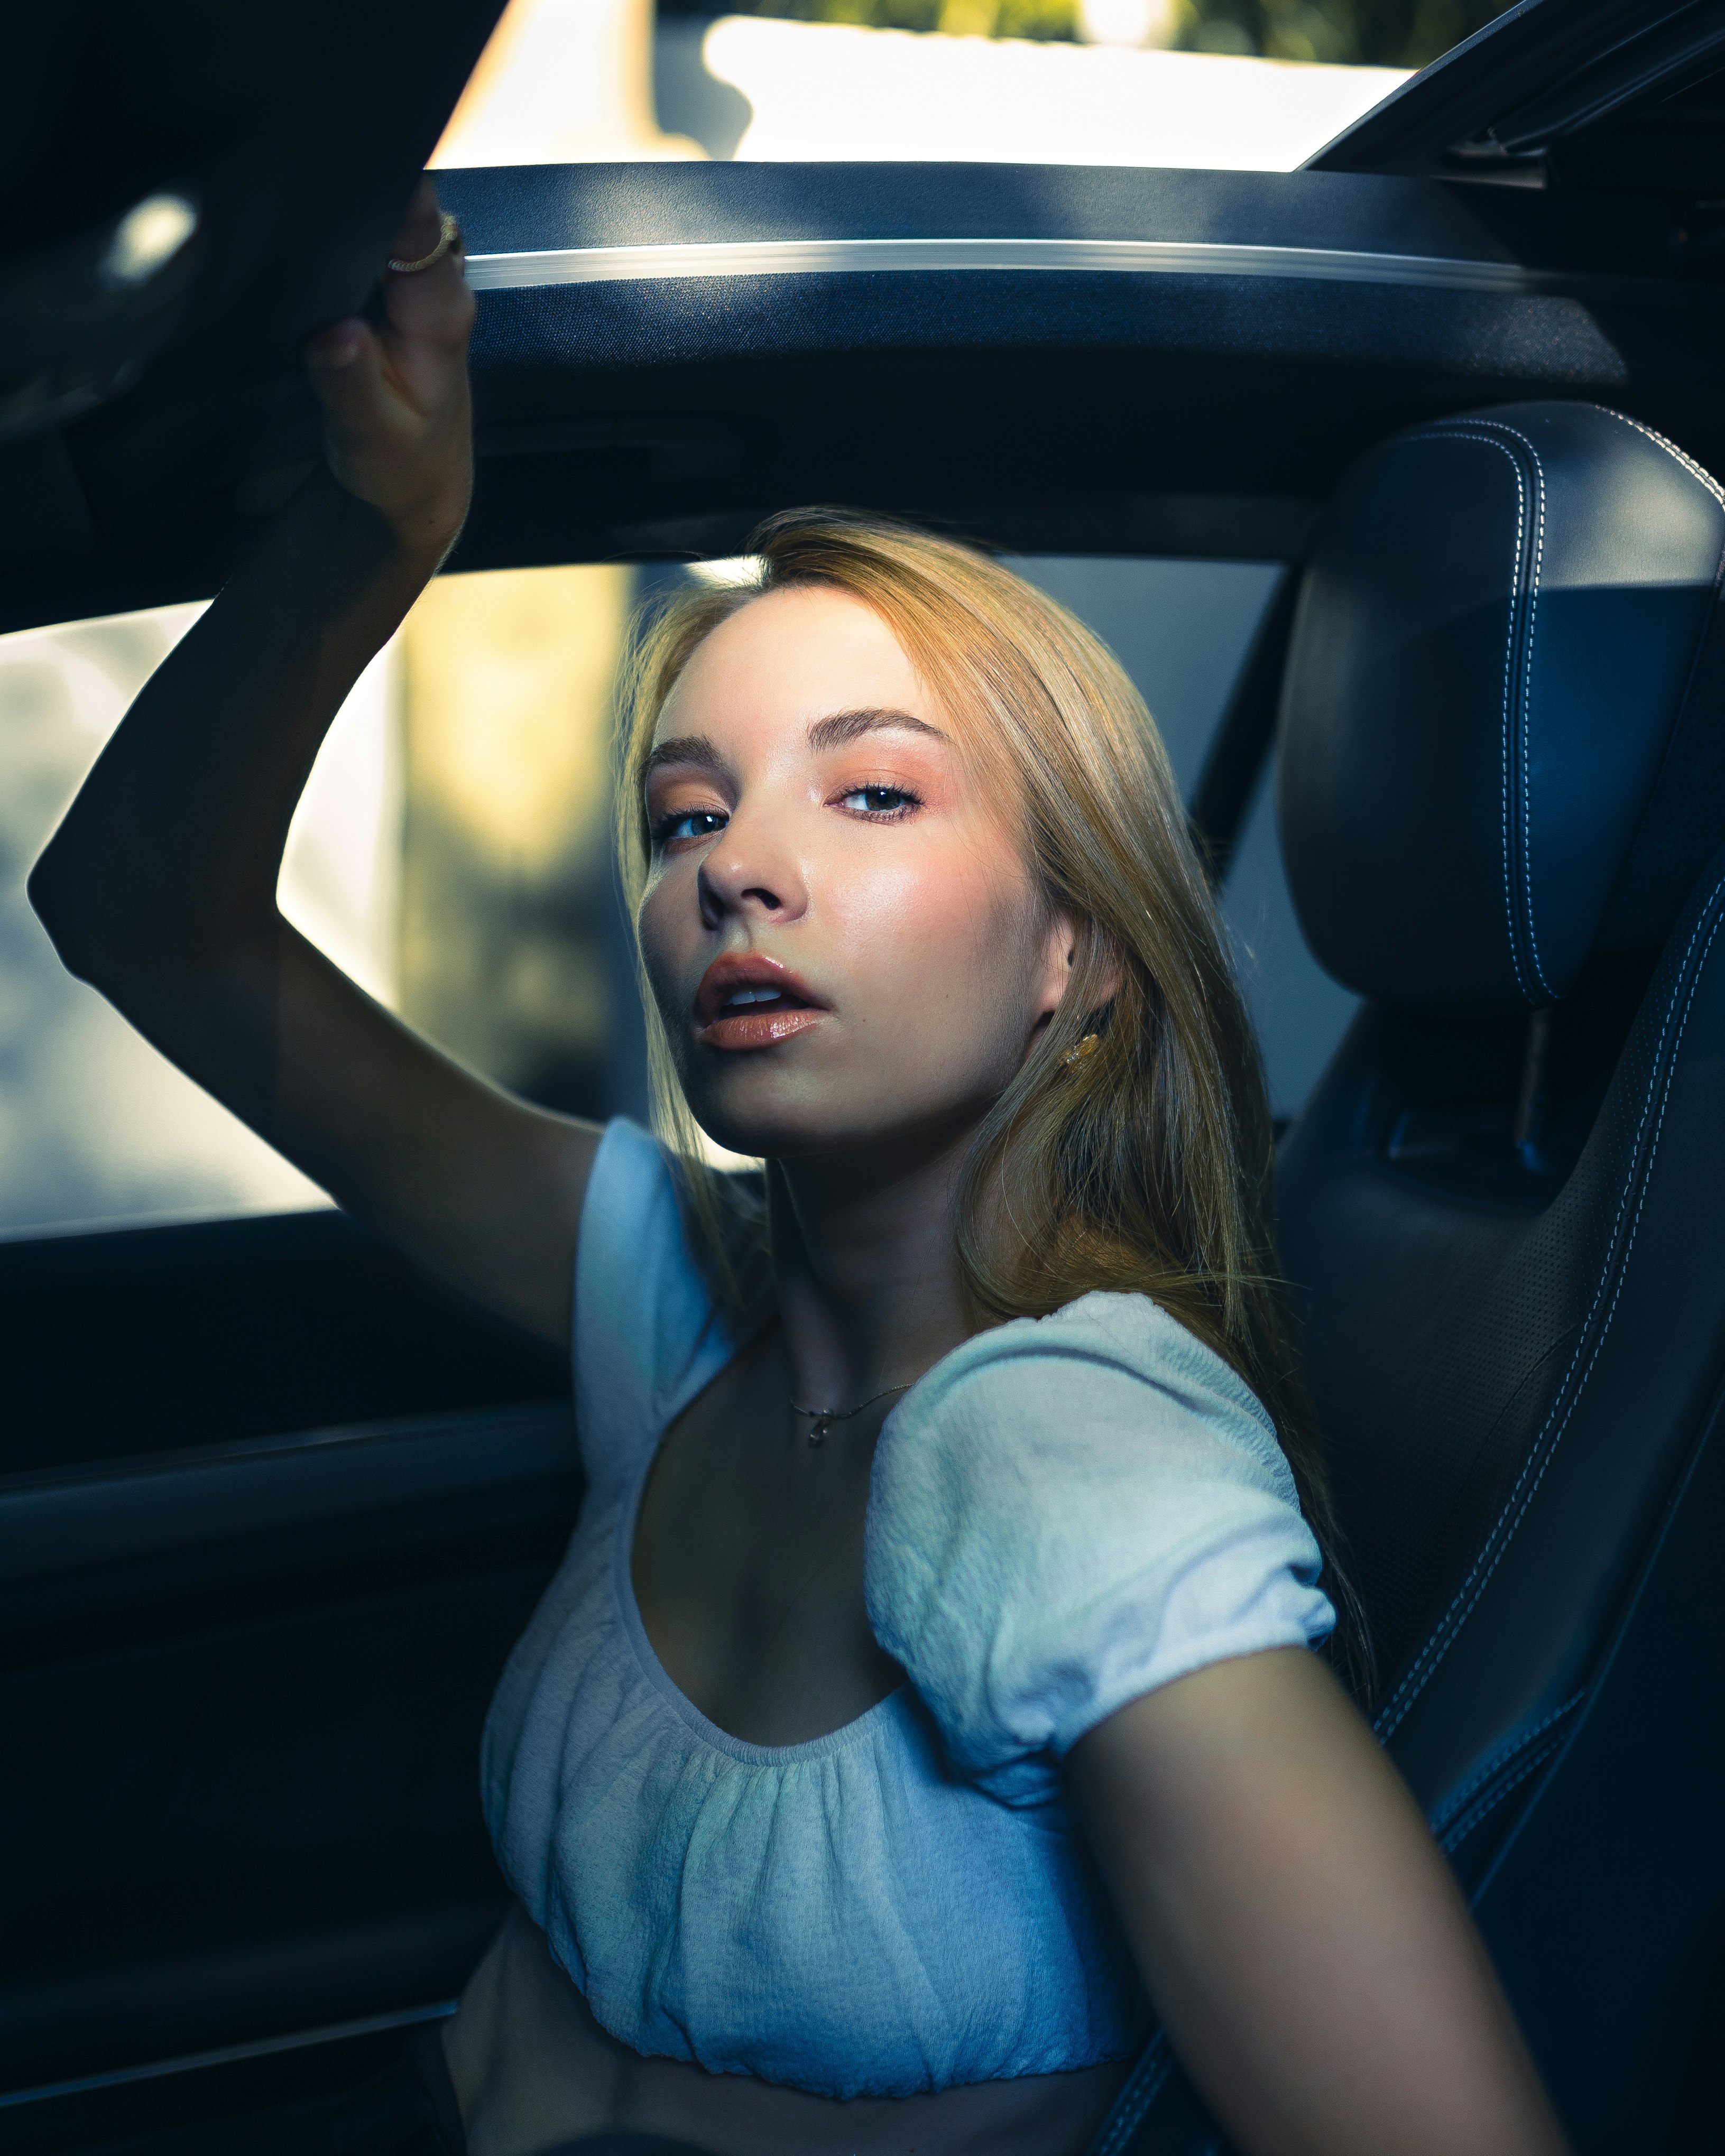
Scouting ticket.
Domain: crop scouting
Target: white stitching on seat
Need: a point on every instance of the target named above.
(1457, 1798)
(1442, 1636)
(1458, 1832)
(1155, 2067)
(1695, 470)
(1528, 707)
(1581, 1344)
(1461, 435)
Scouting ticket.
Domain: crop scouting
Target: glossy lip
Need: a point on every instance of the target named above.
(753, 1026)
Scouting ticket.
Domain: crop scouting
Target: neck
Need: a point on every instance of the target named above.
(863, 1264)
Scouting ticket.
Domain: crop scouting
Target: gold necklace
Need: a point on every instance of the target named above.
(824, 1417)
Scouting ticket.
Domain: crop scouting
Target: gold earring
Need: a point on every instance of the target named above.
(1087, 1046)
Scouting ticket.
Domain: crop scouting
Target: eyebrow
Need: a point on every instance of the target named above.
(684, 748)
(844, 726)
(829, 733)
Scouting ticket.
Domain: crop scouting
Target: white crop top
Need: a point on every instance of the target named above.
(1064, 1513)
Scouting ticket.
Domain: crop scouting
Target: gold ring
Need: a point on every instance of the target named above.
(448, 235)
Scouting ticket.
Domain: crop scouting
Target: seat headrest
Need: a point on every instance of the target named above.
(1503, 717)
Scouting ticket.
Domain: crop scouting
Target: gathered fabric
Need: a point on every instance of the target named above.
(1063, 1514)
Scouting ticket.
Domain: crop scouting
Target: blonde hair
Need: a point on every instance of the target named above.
(1148, 1165)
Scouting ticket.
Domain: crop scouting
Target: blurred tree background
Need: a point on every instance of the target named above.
(1405, 34)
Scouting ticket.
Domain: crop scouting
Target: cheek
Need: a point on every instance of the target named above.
(668, 930)
(940, 944)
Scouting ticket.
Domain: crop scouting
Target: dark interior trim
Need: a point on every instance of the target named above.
(1239, 747)
(88, 1543)
(228, 2055)
(1540, 70)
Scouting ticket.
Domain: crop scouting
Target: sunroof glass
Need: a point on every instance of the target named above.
(1394, 34)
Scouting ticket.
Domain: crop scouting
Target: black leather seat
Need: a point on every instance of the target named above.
(1502, 779)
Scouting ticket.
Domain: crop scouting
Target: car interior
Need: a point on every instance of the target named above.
(273, 1509)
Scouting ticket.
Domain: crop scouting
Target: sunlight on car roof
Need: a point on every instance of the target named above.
(830, 91)
(1240, 85)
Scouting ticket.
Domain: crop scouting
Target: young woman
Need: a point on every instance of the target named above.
(929, 1684)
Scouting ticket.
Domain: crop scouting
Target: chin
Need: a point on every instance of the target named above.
(774, 1121)
(781, 1130)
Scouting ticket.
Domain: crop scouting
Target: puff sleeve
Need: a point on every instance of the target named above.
(1068, 1512)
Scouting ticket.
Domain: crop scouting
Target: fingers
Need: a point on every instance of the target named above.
(394, 392)
(338, 347)
(432, 304)
(428, 318)
(422, 224)
(347, 371)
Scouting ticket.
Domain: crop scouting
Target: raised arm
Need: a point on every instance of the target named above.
(1302, 1937)
(159, 888)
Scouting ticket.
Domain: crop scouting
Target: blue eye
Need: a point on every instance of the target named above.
(880, 802)
(689, 823)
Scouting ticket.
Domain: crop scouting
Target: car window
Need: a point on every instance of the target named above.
(453, 855)
(94, 1126)
(1346, 33)
(1182, 630)
(450, 854)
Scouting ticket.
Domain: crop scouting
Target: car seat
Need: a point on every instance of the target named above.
(1502, 799)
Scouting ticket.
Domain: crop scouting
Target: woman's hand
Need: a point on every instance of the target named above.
(1302, 1938)
(399, 424)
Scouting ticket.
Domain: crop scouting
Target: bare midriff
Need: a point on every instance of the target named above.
(532, 2068)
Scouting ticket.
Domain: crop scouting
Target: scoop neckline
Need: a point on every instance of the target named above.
(622, 1559)
(841, 1739)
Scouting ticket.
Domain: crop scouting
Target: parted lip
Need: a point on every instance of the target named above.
(748, 969)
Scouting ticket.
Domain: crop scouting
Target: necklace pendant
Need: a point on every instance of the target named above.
(818, 1429)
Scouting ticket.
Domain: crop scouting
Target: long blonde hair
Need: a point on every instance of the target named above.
(1146, 1166)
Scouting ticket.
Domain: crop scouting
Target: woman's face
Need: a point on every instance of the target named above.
(843, 936)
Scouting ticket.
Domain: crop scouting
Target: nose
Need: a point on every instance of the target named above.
(750, 871)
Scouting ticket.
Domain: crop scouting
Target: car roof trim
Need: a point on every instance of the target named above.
(536, 268)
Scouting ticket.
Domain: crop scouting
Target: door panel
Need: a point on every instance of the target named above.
(253, 1829)
(236, 1520)
(243, 1667)
(292, 1838)
(154, 1339)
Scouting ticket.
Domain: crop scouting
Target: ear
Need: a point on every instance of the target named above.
(1060, 955)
